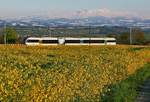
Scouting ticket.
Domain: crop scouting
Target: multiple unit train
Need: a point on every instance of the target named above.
(69, 41)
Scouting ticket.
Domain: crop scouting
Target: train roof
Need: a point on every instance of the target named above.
(71, 38)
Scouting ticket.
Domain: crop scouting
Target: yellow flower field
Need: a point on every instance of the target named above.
(65, 73)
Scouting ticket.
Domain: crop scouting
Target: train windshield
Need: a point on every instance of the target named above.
(32, 41)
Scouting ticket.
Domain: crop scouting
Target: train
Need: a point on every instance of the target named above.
(47, 41)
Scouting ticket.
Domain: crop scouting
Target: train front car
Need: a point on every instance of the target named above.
(32, 41)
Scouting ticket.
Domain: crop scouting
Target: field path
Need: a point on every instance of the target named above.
(144, 95)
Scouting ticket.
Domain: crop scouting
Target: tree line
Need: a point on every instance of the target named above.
(11, 36)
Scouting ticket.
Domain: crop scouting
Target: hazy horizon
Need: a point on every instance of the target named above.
(72, 8)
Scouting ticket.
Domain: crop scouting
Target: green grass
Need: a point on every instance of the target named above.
(126, 90)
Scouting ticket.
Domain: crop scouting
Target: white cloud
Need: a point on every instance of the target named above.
(104, 12)
(89, 13)
(75, 14)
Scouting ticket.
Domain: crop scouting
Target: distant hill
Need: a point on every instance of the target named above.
(86, 21)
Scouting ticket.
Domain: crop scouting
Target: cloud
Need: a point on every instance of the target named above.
(89, 13)
(55, 13)
(104, 12)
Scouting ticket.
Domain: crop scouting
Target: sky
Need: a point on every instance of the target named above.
(68, 8)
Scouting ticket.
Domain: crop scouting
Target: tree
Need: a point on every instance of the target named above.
(138, 36)
(1, 39)
(11, 35)
(124, 38)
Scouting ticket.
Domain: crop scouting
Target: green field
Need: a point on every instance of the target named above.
(66, 73)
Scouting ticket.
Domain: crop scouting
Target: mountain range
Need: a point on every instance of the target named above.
(78, 21)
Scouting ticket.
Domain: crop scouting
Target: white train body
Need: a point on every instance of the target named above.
(32, 41)
(46, 41)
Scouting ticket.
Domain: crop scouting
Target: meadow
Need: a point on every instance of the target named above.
(66, 73)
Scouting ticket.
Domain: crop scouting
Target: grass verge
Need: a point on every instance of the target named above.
(127, 90)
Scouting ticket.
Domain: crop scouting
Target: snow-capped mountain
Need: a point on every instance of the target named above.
(81, 20)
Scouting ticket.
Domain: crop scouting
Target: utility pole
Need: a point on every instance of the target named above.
(130, 35)
(90, 31)
(5, 35)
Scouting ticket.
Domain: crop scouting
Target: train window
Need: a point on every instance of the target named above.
(82, 41)
(72, 41)
(111, 40)
(32, 41)
(86, 41)
(49, 41)
(97, 41)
